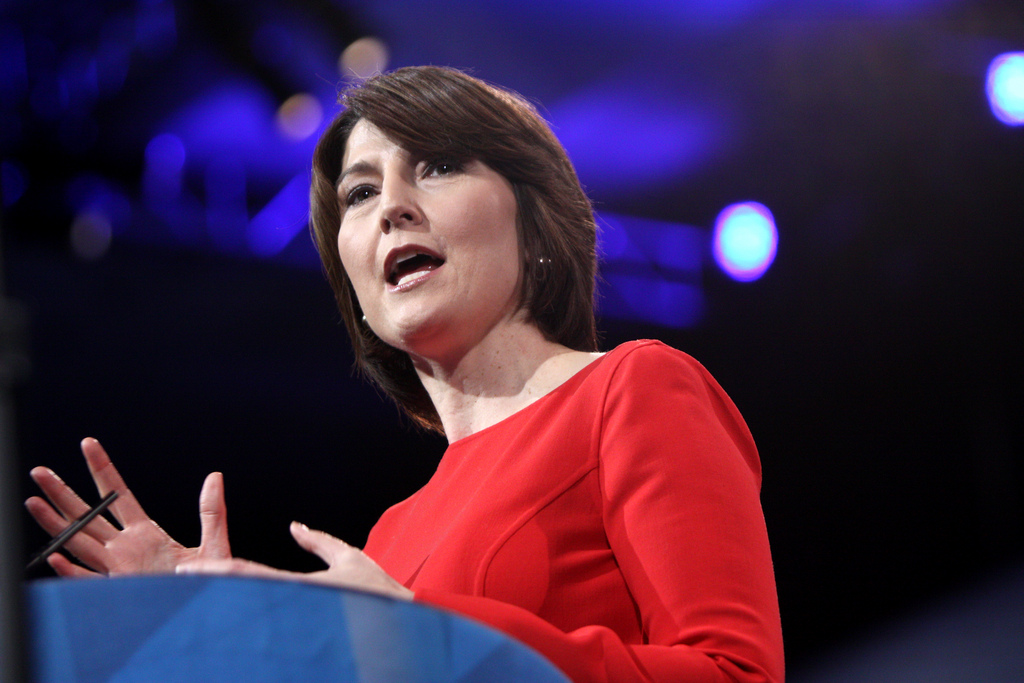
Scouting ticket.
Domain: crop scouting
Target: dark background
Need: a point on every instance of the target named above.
(877, 362)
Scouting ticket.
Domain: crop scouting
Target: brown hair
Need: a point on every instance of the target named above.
(433, 110)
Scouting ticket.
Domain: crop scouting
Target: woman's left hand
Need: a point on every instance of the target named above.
(347, 566)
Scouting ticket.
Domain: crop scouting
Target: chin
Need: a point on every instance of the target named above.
(411, 333)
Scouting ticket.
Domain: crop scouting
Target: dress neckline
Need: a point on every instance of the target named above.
(572, 381)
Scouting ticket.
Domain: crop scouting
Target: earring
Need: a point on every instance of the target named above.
(543, 268)
(364, 319)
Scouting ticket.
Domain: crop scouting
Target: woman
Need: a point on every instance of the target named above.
(602, 508)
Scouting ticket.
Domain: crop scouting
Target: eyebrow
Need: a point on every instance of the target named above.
(358, 167)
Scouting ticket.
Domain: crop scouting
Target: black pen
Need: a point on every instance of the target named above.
(76, 526)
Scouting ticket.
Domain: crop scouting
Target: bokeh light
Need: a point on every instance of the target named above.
(165, 161)
(91, 234)
(363, 58)
(745, 240)
(1005, 87)
(284, 217)
(166, 152)
(651, 270)
(300, 116)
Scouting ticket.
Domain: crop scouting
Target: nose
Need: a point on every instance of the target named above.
(398, 205)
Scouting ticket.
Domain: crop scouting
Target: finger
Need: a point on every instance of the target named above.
(66, 502)
(235, 567)
(213, 517)
(85, 546)
(126, 508)
(323, 545)
(48, 518)
(65, 567)
(348, 566)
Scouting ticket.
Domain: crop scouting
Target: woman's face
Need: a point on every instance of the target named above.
(430, 245)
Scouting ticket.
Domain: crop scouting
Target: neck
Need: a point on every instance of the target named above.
(505, 372)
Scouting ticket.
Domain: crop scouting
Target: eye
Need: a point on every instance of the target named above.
(358, 195)
(443, 166)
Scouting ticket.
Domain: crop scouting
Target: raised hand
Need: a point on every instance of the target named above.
(140, 546)
(347, 566)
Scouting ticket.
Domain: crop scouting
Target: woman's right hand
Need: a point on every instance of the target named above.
(140, 546)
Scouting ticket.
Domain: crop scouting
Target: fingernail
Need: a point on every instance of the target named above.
(185, 569)
(300, 525)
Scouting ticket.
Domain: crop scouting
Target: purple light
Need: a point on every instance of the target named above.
(236, 121)
(226, 210)
(651, 299)
(745, 240)
(166, 153)
(79, 78)
(49, 97)
(155, 28)
(95, 195)
(13, 64)
(1005, 88)
(284, 216)
(113, 55)
(650, 270)
(165, 161)
(662, 142)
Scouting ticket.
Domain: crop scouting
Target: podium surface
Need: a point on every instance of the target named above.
(214, 628)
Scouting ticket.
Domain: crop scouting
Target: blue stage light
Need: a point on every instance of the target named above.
(13, 64)
(649, 298)
(114, 53)
(226, 210)
(166, 152)
(93, 196)
(155, 28)
(651, 270)
(165, 162)
(284, 217)
(1005, 87)
(666, 137)
(745, 240)
(236, 120)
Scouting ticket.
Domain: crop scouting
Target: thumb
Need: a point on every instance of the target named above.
(321, 544)
(213, 518)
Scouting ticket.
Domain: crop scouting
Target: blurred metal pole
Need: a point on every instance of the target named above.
(13, 367)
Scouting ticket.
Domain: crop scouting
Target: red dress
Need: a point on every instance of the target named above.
(614, 525)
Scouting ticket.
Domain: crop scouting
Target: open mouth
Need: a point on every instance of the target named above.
(412, 265)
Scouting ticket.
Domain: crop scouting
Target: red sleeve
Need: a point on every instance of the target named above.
(680, 479)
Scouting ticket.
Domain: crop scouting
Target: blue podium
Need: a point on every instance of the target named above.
(206, 628)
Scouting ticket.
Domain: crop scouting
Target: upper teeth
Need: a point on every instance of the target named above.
(402, 259)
